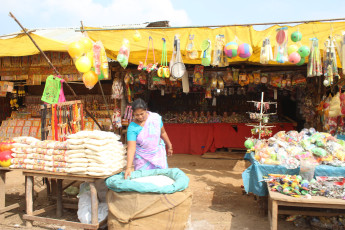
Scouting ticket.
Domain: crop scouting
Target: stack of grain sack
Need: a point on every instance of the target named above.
(95, 153)
(31, 153)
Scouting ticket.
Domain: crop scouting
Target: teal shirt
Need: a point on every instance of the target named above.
(134, 129)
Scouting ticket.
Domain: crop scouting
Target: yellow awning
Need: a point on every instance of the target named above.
(112, 39)
(21, 45)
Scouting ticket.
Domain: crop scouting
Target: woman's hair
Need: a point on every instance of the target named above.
(139, 104)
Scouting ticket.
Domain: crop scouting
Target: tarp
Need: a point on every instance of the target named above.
(21, 45)
(118, 183)
(112, 40)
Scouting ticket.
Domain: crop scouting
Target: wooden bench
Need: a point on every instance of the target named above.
(277, 199)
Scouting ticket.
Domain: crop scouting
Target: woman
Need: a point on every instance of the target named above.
(146, 150)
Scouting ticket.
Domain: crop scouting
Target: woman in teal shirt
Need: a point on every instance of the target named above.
(146, 140)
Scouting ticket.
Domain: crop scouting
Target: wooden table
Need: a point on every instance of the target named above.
(3, 207)
(275, 199)
(31, 215)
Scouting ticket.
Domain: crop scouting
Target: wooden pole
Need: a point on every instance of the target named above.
(53, 67)
(211, 26)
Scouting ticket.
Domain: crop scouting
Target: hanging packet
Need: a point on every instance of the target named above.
(52, 90)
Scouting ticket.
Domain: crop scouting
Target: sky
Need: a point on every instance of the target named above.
(68, 13)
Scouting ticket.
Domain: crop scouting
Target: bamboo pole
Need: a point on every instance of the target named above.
(209, 26)
(53, 67)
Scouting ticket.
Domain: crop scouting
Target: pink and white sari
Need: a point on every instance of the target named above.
(150, 149)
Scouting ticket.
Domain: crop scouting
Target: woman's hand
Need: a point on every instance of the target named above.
(170, 152)
(128, 172)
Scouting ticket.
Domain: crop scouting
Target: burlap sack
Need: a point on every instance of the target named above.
(130, 210)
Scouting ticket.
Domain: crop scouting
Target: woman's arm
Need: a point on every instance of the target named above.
(131, 147)
(166, 140)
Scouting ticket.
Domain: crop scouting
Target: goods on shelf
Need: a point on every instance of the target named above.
(95, 153)
(288, 149)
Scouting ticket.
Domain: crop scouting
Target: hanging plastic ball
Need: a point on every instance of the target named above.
(90, 56)
(304, 51)
(90, 79)
(87, 44)
(83, 64)
(245, 50)
(76, 49)
(281, 36)
(326, 83)
(230, 49)
(248, 144)
(294, 58)
(292, 48)
(301, 62)
(296, 36)
(137, 36)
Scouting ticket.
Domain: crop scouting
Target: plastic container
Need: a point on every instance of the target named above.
(307, 169)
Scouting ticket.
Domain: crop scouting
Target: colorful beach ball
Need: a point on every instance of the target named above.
(230, 49)
(245, 50)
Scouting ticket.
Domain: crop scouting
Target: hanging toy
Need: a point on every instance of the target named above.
(281, 47)
(136, 36)
(149, 67)
(163, 70)
(123, 55)
(266, 54)
(230, 49)
(206, 52)
(191, 52)
(177, 68)
(340, 43)
(218, 50)
(245, 50)
(314, 65)
(330, 60)
(296, 36)
(198, 78)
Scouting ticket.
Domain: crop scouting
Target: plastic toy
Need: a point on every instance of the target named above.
(296, 36)
(230, 49)
(245, 50)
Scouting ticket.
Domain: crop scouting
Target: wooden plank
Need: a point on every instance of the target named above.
(312, 205)
(59, 198)
(28, 197)
(43, 210)
(309, 213)
(70, 206)
(70, 184)
(314, 200)
(94, 204)
(224, 155)
(274, 223)
(10, 207)
(67, 176)
(60, 222)
(2, 193)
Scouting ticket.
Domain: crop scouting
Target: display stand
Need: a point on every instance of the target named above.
(32, 215)
(277, 199)
(262, 117)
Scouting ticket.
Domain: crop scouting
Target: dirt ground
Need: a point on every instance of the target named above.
(218, 202)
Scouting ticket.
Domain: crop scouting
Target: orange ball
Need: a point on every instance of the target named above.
(90, 79)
